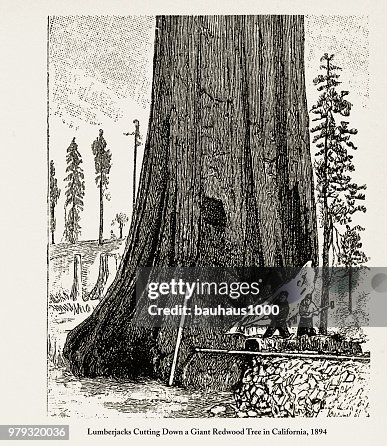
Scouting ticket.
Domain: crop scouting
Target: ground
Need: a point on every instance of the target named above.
(73, 397)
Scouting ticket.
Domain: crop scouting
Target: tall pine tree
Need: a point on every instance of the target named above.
(75, 191)
(102, 159)
(337, 194)
(54, 196)
(351, 255)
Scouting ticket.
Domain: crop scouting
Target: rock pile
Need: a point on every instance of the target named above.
(279, 387)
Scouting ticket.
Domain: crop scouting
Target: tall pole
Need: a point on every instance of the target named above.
(136, 144)
(178, 342)
(136, 134)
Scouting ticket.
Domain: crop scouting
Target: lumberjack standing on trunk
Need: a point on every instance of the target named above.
(279, 321)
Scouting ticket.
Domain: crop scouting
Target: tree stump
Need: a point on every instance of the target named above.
(77, 290)
(103, 274)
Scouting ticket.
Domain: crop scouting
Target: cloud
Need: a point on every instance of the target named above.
(347, 38)
(95, 62)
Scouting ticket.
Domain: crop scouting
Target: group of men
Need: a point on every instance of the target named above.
(279, 322)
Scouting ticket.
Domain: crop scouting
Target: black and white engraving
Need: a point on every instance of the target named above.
(191, 151)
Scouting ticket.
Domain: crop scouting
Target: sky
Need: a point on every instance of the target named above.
(100, 74)
(99, 77)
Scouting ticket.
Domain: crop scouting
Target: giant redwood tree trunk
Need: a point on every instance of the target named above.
(226, 177)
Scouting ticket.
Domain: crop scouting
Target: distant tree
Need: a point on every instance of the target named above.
(102, 160)
(75, 191)
(121, 219)
(351, 255)
(337, 195)
(54, 196)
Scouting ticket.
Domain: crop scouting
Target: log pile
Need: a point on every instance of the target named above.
(303, 387)
(319, 343)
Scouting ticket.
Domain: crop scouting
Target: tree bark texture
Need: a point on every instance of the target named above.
(226, 177)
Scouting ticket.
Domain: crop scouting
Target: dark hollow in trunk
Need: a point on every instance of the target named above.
(226, 178)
